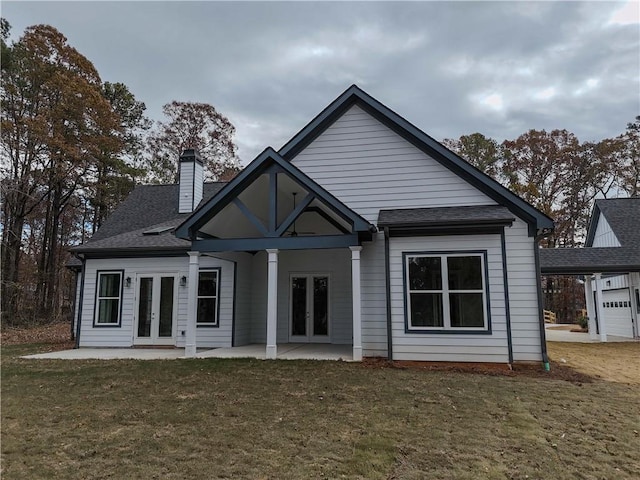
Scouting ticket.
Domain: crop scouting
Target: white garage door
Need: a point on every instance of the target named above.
(617, 312)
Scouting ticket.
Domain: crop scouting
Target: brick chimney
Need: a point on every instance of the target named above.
(191, 181)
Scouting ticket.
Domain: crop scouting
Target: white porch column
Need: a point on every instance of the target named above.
(600, 308)
(192, 305)
(356, 298)
(591, 312)
(272, 304)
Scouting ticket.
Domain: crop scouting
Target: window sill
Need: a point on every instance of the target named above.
(207, 325)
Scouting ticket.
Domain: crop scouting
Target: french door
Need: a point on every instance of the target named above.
(155, 310)
(309, 317)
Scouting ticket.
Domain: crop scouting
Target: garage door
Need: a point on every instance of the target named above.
(617, 312)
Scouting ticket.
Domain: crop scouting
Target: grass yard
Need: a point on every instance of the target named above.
(202, 419)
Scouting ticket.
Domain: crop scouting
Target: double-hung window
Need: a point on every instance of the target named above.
(446, 292)
(108, 298)
(208, 294)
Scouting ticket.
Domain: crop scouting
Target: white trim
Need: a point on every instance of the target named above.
(154, 338)
(190, 340)
(96, 312)
(356, 298)
(445, 292)
(272, 304)
(216, 320)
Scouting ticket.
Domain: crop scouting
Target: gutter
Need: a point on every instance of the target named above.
(81, 299)
(387, 275)
(543, 339)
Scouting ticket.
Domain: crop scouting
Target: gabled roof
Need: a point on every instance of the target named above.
(267, 159)
(356, 96)
(623, 216)
(146, 207)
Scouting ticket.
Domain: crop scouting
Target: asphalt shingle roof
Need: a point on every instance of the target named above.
(469, 215)
(147, 207)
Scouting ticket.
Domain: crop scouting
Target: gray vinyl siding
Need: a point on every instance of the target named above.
(123, 335)
(485, 347)
(335, 262)
(191, 186)
(374, 298)
(523, 294)
(243, 299)
(604, 236)
(369, 167)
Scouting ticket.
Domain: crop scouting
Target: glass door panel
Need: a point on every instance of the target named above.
(309, 308)
(145, 307)
(320, 305)
(299, 306)
(165, 327)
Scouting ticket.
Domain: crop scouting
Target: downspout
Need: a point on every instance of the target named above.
(543, 339)
(388, 292)
(80, 300)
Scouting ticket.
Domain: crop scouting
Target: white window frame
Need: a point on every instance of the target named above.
(96, 318)
(216, 322)
(445, 291)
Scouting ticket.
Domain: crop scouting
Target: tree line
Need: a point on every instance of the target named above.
(72, 148)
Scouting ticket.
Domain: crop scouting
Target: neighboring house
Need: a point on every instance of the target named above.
(362, 230)
(611, 263)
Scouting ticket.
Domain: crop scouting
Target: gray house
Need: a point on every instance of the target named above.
(361, 231)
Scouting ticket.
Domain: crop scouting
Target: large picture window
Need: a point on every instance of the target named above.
(446, 292)
(208, 293)
(108, 298)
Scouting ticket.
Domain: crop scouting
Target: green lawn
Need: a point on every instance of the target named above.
(295, 419)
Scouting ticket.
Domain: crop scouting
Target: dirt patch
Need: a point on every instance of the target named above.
(57, 334)
(558, 370)
(614, 362)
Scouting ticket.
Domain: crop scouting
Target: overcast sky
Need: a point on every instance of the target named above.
(451, 68)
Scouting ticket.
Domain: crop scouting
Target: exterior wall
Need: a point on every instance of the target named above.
(243, 298)
(123, 335)
(335, 262)
(523, 293)
(613, 283)
(455, 347)
(374, 298)
(369, 167)
(604, 236)
(191, 186)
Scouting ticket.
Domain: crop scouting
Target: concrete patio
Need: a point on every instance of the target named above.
(289, 351)
(555, 334)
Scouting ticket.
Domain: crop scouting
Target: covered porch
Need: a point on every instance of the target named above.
(296, 251)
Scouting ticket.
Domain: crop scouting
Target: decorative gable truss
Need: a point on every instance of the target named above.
(272, 204)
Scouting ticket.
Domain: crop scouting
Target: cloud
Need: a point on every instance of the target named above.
(451, 68)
